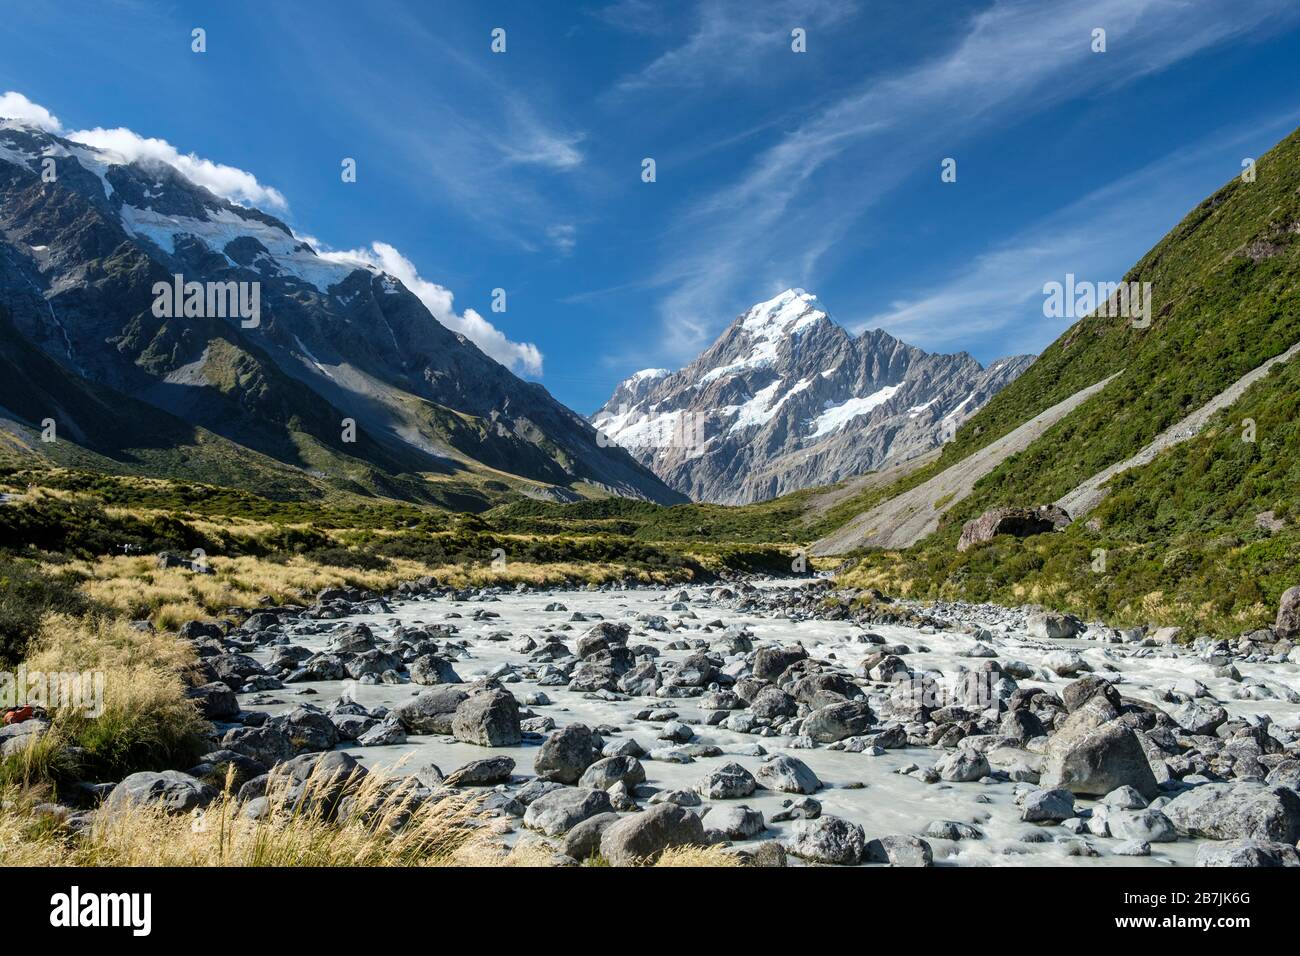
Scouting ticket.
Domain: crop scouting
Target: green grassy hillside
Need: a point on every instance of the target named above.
(1180, 534)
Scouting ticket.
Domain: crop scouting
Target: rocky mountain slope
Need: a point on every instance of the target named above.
(336, 339)
(787, 399)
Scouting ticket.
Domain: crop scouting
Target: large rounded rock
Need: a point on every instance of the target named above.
(900, 850)
(1094, 760)
(789, 775)
(566, 753)
(828, 839)
(962, 766)
(733, 822)
(431, 669)
(353, 639)
(642, 837)
(1047, 806)
(729, 782)
(168, 790)
(489, 718)
(583, 841)
(772, 703)
(1142, 826)
(267, 745)
(559, 811)
(809, 689)
(481, 773)
(603, 637)
(829, 724)
(1199, 719)
(1074, 695)
(309, 729)
(1243, 811)
(216, 701)
(1051, 625)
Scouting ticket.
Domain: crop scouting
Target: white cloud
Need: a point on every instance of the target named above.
(230, 182)
(241, 186)
(18, 107)
(234, 184)
(439, 301)
(730, 40)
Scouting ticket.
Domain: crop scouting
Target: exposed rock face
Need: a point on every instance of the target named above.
(1019, 522)
(786, 399)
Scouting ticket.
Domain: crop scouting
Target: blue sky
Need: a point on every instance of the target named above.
(522, 170)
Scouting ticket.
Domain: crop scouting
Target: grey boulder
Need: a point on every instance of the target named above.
(788, 775)
(169, 790)
(642, 837)
(828, 839)
(559, 811)
(1243, 811)
(489, 718)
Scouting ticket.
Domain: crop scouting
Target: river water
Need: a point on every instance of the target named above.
(884, 803)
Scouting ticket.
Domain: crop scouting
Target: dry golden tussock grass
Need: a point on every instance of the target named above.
(370, 820)
(144, 716)
(135, 587)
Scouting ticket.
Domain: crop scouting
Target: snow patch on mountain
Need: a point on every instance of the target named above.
(837, 416)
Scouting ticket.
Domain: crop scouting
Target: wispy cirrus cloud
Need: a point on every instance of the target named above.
(799, 197)
(476, 139)
(728, 40)
(1000, 296)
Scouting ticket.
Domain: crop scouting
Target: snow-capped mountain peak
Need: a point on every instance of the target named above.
(785, 314)
(787, 399)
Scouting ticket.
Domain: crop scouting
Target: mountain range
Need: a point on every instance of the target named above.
(346, 383)
(787, 399)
